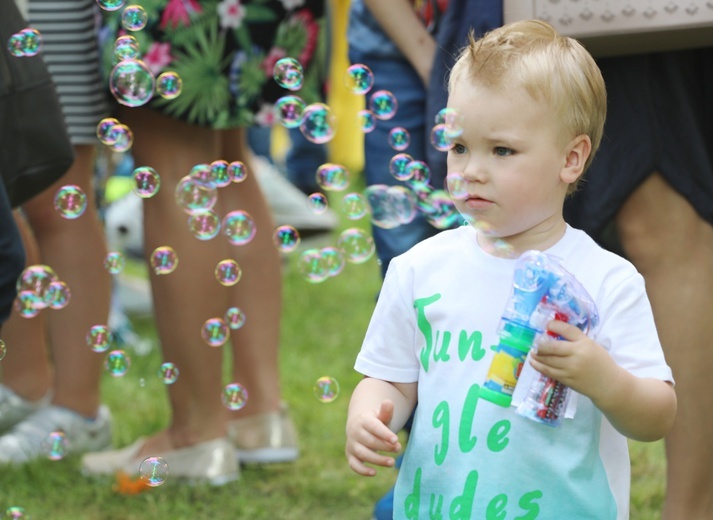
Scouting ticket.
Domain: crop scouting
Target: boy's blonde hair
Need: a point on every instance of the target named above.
(533, 55)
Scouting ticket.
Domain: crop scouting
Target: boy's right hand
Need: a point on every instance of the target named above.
(367, 434)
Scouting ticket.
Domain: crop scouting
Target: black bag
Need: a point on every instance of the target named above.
(35, 150)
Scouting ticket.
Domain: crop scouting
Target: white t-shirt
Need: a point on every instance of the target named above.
(434, 323)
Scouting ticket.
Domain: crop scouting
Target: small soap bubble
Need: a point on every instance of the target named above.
(234, 396)
(383, 104)
(169, 85)
(333, 259)
(134, 18)
(452, 121)
(237, 170)
(317, 202)
(55, 445)
(215, 332)
(313, 266)
(356, 245)
(286, 238)
(132, 83)
(15, 45)
(117, 363)
(192, 196)
(36, 279)
(439, 209)
(326, 389)
(164, 260)
(111, 5)
(126, 47)
(201, 174)
(153, 471)
(332, 177)
(3, 349)
(398, 166)
(457, 186)
(359, 79)
(220, 173)
(228, 272)
(418, 173)
(440, 139)
(99, 338)
(146, 182)
(354, 206)
(204, 225)
(367, 121)
(288, 73)
(399, 138)
(239, 227)
(28, 304)
(70, 201)
(122, 138)
(168, 373)
(289, 111)
(104, 133)
(114, 262)
(318, 123)
(57, 295)
(235, 318)
(31, 41)
(16, 513)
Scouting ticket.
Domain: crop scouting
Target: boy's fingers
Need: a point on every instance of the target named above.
(358, 467)
(564, 329)
(367, 455)
(386, 411)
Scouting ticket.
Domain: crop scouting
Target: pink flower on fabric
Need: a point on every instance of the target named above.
(266, 115)
(178, 12)
(158, 57)
(306, 19)
(231, 13)
(268, 64)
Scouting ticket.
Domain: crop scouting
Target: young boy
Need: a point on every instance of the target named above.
(533, 104)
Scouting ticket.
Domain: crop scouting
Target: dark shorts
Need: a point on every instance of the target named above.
(12, 256)
(659, 119)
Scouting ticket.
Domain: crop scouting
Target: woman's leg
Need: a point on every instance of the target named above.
(672, 247)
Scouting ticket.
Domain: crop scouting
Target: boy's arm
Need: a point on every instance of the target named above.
(377, 410)
(642, 409)
(398, 19)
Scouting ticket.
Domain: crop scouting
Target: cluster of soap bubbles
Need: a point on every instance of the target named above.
(16, 513)
(38, 287)
(27, 42)
(117, 136)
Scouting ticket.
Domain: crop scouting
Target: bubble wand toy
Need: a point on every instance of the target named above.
(542, 291)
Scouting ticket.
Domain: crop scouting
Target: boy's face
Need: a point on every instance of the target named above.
(513, 159)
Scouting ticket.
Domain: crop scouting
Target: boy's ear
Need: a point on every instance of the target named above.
(577, 151)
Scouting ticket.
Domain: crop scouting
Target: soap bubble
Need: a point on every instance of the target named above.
(104, 133)
(440, 139)
(398, 166)
(146, 182)
(111, 5)
(164, 260)
(313, 266)
(55, 445)
(237, 171)
(367, 121)
(334, 260)
(153, 471)
(288, 73)
(383, 104)
(239, 227)
(452, 121)
(16, 513)
(399, 138)
(317, 202)
(418, 173)
(126, 47)
(326, 389)
(192, 196)
(132, 83)
(356, 245)
(114, 262)
(204, 225)
(289, 111)
(286, 238)
(3, 349)
(117, 363)
(36, 279)
(122, 138)
(354, 206)
(201, 174)
(318, 123)
(28, 304)
(30, 41)
(359, 78)
(228, 272)
(57, 295)
(99, 338)
(332, 177)
(215, 332)
(439, 209)
(168, 373)
(15, 45)
(220, 173)
(70, 201)
(457, 186)
(169, 85)
(235, 318)
(134, 18)
(234, 396)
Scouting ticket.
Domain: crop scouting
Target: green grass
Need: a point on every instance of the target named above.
(322, 329)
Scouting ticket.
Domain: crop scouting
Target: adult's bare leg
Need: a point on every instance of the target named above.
(672, 246)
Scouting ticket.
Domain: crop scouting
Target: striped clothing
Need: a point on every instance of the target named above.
(70, 50)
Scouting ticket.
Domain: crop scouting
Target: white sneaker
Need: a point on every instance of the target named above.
(14, 408)
(25, 441)
(288, 204)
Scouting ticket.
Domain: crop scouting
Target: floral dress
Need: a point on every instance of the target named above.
(225, 52)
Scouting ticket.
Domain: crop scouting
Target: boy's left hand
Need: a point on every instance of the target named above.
(576, 360)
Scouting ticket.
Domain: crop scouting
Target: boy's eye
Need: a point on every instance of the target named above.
(501, 151)
(458, 149)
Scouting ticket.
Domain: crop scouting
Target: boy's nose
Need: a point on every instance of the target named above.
(475, 171)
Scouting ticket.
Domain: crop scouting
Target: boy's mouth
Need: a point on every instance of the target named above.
(477, 202)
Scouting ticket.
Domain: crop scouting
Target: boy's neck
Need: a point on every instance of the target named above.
(513, 246)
